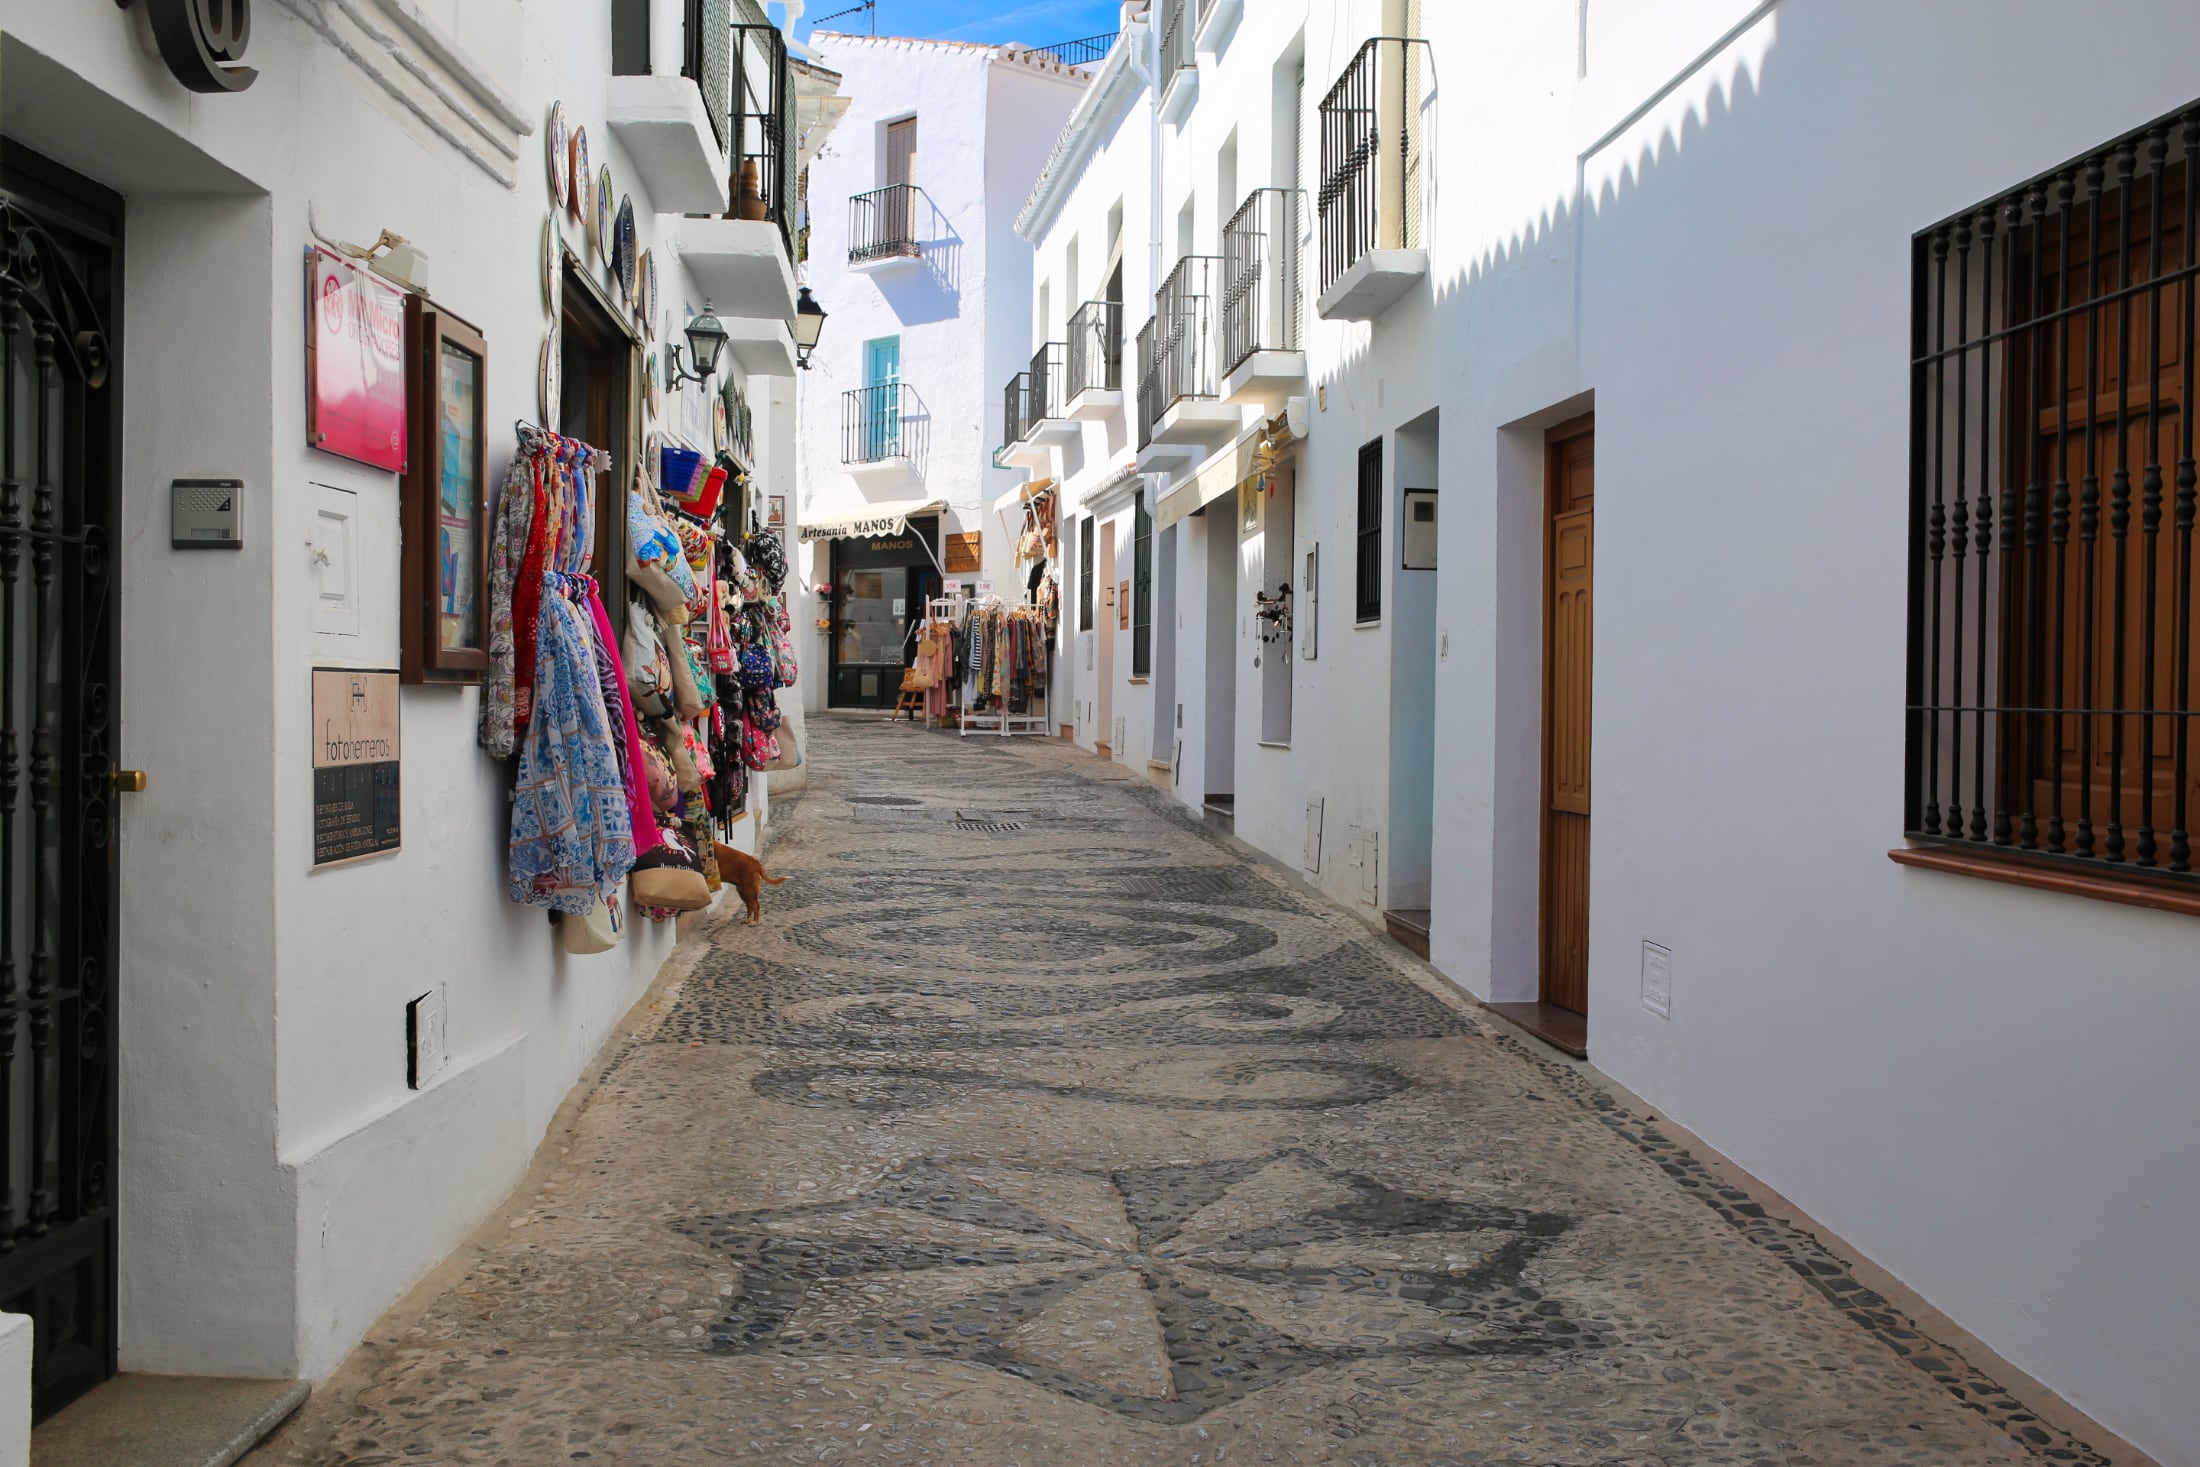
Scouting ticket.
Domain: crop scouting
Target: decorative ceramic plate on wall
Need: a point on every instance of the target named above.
(622, 250)
(649, 291)
(604, 215)
(717, 423)
(650, 391)
(561, 161)
(552, 379)
(641, 293)
(580, 174)
(550, 264)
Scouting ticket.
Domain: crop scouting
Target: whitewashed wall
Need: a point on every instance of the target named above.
(281, 1185)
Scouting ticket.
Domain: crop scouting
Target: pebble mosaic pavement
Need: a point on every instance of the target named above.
(1037, 1126)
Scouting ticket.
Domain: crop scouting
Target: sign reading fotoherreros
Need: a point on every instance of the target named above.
(355, 762)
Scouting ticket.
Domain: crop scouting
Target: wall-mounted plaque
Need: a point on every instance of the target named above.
(355, 764)
(964, 554)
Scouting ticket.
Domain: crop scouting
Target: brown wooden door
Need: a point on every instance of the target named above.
(901, 169)
(1569, 624)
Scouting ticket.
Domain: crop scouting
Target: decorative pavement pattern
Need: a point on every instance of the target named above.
(1037, 1126)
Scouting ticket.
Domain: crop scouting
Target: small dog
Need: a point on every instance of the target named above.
(747, 876)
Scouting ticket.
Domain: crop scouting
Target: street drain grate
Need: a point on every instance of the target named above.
(988, 827)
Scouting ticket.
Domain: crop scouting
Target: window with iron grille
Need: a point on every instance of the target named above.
(1084, 575)
(2052, 505)
(1368, 581)
(1142, 588)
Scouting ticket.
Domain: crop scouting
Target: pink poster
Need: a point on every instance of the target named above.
(355, 363)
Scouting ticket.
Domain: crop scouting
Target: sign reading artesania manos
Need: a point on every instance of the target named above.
(355, 764)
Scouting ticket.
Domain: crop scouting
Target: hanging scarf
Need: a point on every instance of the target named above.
(619, 710)
(527, 595)
(572, 831)
(507, 551)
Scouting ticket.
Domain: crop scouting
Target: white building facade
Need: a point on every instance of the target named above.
(913, 252)
(1780, 281)
(261, 1153)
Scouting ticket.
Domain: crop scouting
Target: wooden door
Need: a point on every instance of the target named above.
(901, 170)
(1569, 585)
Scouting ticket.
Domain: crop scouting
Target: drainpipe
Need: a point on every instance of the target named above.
(1146, 62)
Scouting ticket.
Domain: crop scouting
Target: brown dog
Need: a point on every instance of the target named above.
(747, 876)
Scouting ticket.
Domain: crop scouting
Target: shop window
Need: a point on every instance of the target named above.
(601, 378)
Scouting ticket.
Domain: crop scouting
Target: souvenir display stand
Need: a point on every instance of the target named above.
(1007, 661)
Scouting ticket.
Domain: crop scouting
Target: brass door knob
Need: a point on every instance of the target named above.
(130, 781)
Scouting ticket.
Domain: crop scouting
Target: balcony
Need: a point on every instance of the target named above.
(882, 229)
(1372, 128)
(744, 260)
(1092, 388)
(670, 97)
(885, 432)
(1263, 353)
(1179, 63)
(1033, 421)
(1217, 23)
(1181, 414)
(1086, 51)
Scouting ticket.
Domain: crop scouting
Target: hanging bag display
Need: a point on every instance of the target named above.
(648, 673)
(598, 932)
(664, 879)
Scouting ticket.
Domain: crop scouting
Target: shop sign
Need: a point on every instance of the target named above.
(890, 524)
(202, 41)
(355, 363)
(355, 764)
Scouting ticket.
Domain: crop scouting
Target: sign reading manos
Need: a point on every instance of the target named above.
(355, 764)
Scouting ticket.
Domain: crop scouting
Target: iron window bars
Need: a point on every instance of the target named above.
(1094, 352)
(763, 136)
(2052, 505)
(1184, 354)
(1367, 600)
(1261, 303)
(1371, 131)
(882, 224)
(883, 422)
(740, 424)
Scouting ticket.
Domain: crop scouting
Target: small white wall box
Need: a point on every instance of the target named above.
(1418, 540)
(206, 514)
(427, 1041)
(1657, 979)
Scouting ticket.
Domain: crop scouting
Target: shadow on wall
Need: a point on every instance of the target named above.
(934, 293)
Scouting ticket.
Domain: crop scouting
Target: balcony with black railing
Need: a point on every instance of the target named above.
(1080, 53)
(885, 431)
(1092, 384)
(1149, 385)
(670, 99)
(743, 251)
(1179, 76)
(1181, 394)
(883, 226)
(1373, 132)
(1262, 297)
(1033, 418)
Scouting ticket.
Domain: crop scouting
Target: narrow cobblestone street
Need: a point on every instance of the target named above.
(1037, 1125)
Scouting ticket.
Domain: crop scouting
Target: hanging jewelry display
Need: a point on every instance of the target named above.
(561, 161)
(581, 175)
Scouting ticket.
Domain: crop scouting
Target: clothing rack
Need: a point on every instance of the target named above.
(999, 720)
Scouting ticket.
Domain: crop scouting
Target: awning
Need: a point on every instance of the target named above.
(1254, 453)
(889, 518)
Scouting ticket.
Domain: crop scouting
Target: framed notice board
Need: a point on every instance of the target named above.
(355, 764)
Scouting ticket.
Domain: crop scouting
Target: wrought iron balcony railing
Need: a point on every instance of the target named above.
(1085, 51)
(882, 224)
(1372, 155)
(762, 138)
(1178, 26)
(1049, 376)
(1184, 345)
(1094, 351)
(1149, 385)
(882, 423)
(1262, 297)
(1015, 401)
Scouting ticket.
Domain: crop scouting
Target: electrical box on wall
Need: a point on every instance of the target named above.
(206, 514)
(1657, 979)
(1418, 539)
(427, 1037)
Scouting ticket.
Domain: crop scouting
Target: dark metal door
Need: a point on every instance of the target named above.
(59, 461)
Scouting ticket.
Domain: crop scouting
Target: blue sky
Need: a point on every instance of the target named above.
(1032, 22)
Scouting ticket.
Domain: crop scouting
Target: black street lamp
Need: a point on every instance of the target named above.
(706, 339)
(809, 324)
